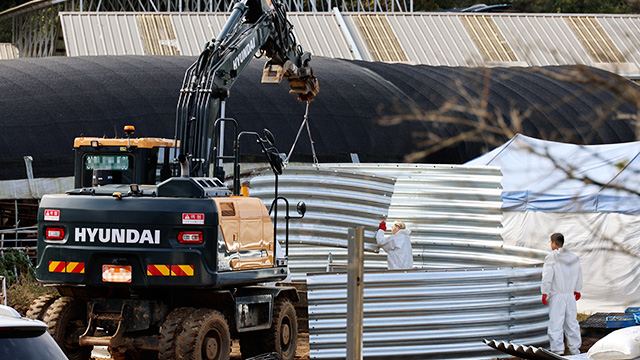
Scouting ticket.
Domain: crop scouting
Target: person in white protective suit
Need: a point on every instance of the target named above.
(397, 246)
(561, 285)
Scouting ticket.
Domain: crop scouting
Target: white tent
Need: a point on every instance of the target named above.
(588, 193)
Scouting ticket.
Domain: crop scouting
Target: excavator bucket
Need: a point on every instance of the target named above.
(302, 80)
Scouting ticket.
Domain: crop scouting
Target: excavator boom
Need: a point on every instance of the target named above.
(253, 26)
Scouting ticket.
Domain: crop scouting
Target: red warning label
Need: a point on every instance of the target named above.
(51, 215)
(192, 219)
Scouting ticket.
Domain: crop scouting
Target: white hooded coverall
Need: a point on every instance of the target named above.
(561, 277)
(398, 248)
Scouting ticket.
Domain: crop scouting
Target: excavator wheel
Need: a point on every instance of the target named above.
(281, 338)
(204, 336)
(66, 318)
(38, 307)
(169, 332)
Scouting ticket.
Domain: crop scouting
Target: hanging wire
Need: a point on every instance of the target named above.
(305, 122)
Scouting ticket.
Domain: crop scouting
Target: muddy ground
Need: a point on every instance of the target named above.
(302, 352)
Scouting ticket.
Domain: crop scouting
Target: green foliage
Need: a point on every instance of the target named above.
(21, 293)
(14, 263)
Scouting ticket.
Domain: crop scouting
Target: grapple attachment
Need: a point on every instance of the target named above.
(302, 80)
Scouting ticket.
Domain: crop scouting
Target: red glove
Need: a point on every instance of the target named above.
(544, 299)
(577, 295)
(382, 226)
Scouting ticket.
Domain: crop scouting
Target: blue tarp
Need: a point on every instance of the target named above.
(550, 176)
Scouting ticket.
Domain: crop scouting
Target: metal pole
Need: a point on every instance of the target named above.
(4, 291)
(355, 297)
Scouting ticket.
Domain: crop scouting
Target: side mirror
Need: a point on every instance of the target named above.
(275, 161)
(269, 136)
(302, 208)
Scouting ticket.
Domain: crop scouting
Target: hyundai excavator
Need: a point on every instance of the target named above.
(153, 263)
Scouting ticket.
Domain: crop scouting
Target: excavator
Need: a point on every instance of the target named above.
(159, 259)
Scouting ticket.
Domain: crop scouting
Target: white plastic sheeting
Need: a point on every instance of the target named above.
(588, 193)
(551, 176)
(608, 245)
(34, 188)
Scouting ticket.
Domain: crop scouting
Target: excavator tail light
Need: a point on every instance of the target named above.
(116, 273)
(54, 233)
(190, 237)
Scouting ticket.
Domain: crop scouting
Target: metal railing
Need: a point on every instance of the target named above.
(24, 239)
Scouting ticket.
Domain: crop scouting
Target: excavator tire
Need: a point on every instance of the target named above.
(38, 307)
(66, 318)
(281, 338)
(205, 336)
(169, 332)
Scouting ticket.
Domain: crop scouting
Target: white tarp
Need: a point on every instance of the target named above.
(551, 176)
(34, 188)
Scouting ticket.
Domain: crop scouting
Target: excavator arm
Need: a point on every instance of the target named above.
(254, 25)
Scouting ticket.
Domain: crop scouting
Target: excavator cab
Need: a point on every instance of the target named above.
(103, 161)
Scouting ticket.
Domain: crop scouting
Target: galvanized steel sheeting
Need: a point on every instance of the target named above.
(429, 314)
(470, 286)
(453, 210)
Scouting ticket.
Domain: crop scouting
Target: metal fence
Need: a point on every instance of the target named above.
(23, 239)
(434, 314)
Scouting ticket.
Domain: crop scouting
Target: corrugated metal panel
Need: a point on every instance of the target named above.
(454, 212)
(185, 33)
(542, 40)
(8, 51)
(194, 30)
(438, 39)
(380, 39)
(89, 34)
(320, 34)
(624, 31)
(421, 314)
(593, 37)
(488, 38)
(523, 351)
(157, 34)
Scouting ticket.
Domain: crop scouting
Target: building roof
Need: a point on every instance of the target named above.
(608, 42)
(47, 102)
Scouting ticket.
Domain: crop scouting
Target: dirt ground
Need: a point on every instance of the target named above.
(302, 351)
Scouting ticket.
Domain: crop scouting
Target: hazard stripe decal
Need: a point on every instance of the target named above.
(70, 267)
(56, 266)
(75, 267)
(181, 270)
(158, 270)
(170, 270)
